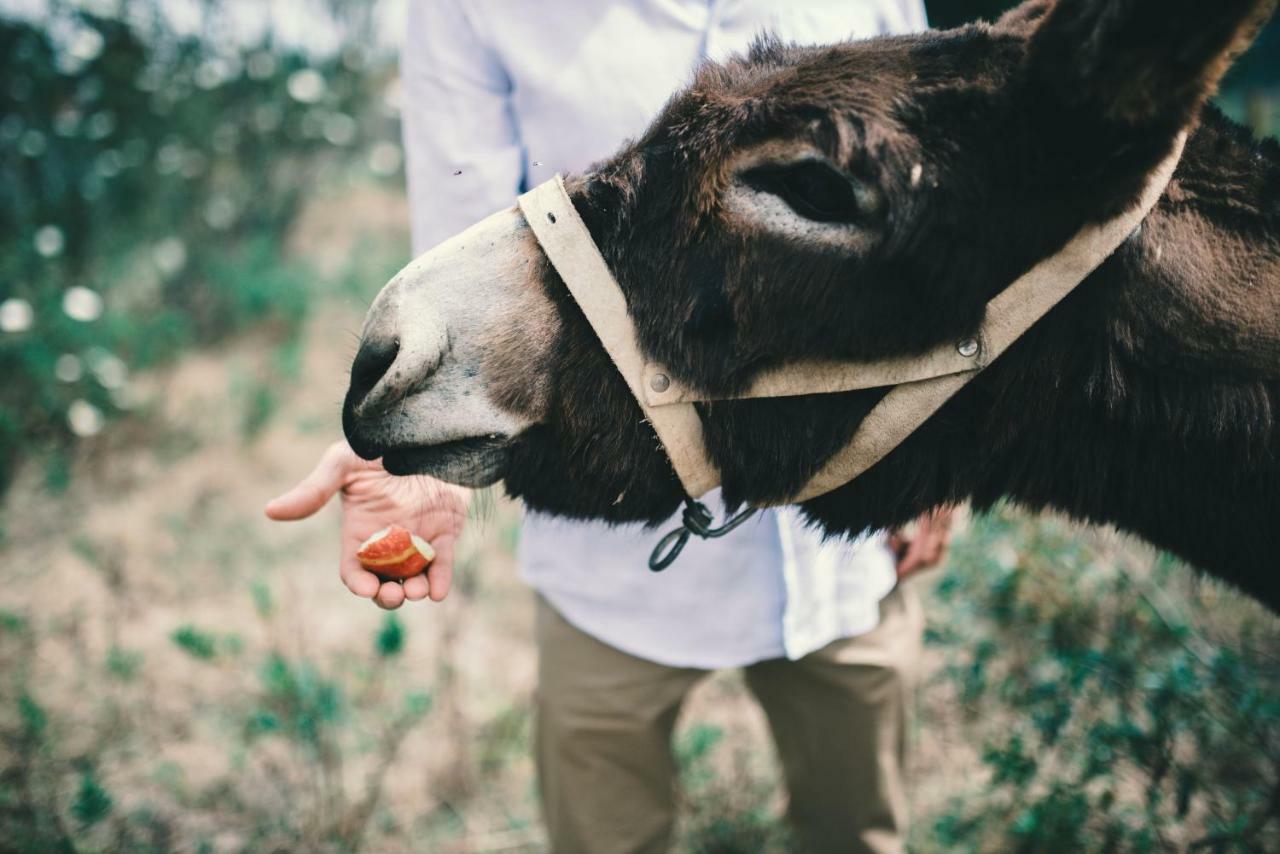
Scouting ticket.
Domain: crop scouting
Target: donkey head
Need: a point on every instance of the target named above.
(855, 201)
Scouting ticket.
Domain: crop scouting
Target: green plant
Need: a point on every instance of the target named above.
(124, 664)
(198, 644)
(1111, 717)
(729, 806)
(93, 802)
(148, 181)
(390, 640)
(310, 710)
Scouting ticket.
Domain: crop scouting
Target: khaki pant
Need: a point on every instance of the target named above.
(605, 721)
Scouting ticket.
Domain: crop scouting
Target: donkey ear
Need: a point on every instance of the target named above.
(1137, 63)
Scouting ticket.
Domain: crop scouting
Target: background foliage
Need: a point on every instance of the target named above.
(148, 180)
(1135, 708)
(184, 232)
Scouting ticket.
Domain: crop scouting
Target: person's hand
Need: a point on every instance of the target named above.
(372, 499)
(926, 546)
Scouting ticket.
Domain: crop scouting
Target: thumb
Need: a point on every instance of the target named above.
(315, 490)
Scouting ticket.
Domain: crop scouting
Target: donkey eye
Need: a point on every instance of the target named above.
(812, 188)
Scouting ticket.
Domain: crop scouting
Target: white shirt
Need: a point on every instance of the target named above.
(498, 97)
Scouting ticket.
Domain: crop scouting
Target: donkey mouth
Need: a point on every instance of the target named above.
(475, 462)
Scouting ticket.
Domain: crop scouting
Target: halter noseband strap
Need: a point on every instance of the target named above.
(920, 384)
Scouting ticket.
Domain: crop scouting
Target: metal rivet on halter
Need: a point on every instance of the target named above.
(659, 382)
(968, 347)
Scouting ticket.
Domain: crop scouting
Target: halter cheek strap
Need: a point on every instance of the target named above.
(920, 384)
(1009, 315)
(567, 243)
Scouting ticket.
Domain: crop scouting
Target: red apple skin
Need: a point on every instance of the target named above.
(394, 554)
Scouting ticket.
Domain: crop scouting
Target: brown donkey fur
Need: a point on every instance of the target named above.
(952, 161)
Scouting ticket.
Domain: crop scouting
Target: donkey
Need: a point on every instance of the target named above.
(866, 200)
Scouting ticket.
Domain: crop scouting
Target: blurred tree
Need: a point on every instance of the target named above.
(147, 182)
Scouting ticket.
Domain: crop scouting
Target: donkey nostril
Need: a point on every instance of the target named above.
(371, 363)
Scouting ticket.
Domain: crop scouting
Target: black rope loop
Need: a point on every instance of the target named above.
(696, 522)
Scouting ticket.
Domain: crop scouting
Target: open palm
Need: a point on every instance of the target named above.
(372, 499)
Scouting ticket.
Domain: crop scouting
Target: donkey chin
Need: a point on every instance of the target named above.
(441, 382)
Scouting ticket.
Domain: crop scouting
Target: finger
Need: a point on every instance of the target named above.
(314, 490)
(934, 550)
(359, 580)
(912, 559)
(416, 588)
(440, 573)
(941, 546)
(390, 596)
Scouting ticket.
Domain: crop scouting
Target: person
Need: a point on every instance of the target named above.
(497, 98)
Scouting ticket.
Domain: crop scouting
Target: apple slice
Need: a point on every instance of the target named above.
(394, 554)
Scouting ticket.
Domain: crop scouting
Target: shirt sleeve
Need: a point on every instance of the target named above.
(914, 14)
(463, 154)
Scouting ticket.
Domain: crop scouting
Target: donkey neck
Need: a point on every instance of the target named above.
(1150, 399)
(1199, 285)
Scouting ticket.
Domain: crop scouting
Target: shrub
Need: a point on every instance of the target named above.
(147, 182)
(1112, 715)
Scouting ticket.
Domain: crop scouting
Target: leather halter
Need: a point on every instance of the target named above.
(920, 384)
